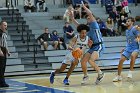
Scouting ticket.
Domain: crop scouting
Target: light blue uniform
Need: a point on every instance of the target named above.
(96, 36)
(132, 45)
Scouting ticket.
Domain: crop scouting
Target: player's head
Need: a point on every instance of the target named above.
(130, 21)
(82, 29)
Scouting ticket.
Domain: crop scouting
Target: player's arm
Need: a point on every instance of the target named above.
(137, 27)
(72, 43)
(89, 13)
(73, 19)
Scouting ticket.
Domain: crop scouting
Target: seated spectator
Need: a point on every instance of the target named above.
(122, 25)
(66, 14)
(102, 26)
(29, 5)
(83, 12)
(57, 41)
(125, 6)
(116, 27)
(110, 27)
(123, 13)
(68, 32)
(39, 4)
(113, 14)
(45, 39)
(77, 12)
(118, 6)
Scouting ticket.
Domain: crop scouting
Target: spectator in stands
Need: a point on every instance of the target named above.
(102, 26)
(113, 14)
(110, 25)
(45, 39)
(83, 12)
(68, 32)
(39, 4)
(3, 53)
(123, 13)
(116, 26)
(118, 6)
(77, 12)
(122, 25)
(125, 6)
(66, 14)
(29, 5)
(57, 41)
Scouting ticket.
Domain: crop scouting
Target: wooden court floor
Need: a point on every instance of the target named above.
(30, 84)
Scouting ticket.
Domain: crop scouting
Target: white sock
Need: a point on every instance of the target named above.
(100, 72)
(130, 71)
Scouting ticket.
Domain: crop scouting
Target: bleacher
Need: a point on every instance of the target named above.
(29, 58)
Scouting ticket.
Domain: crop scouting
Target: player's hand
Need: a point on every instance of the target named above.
(9, 53)
(122, 51)
(90, 42)
(137, 27)
(138, 39)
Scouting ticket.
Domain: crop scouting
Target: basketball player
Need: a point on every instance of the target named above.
(80, 40)
(96, 46)
(131, 50)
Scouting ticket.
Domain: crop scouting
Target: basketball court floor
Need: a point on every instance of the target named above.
(40, 84)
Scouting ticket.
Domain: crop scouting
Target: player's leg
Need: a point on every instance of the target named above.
(84, 61)
(134, 55)
(95, 56)
(72, 67)
(57, 71)
(120, 66)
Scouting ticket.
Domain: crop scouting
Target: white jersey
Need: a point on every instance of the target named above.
(82, 43)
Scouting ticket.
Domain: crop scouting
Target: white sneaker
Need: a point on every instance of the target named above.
(99, 78)
(117, 78)
(129, 75)
(85, 79)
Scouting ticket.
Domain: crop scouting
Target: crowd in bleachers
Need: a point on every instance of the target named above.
(35, 5)
(114, 25)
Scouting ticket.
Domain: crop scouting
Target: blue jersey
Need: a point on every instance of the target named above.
(94, 33)
(131, 35)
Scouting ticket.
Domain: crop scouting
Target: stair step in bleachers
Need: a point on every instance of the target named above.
(12, 49)
(13, 55)
(110, 56)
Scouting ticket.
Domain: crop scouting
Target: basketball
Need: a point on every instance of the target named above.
(77, 53)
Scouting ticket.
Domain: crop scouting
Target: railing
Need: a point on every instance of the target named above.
(11, 3)
(17, 18)
(34, 53)
(23, 30)
(12, 14)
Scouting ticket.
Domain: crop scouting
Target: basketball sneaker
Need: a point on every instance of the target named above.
(129, 75)
(52, 77)
(66, 82)
(117, 78)
(85, 79)
(99, 78)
